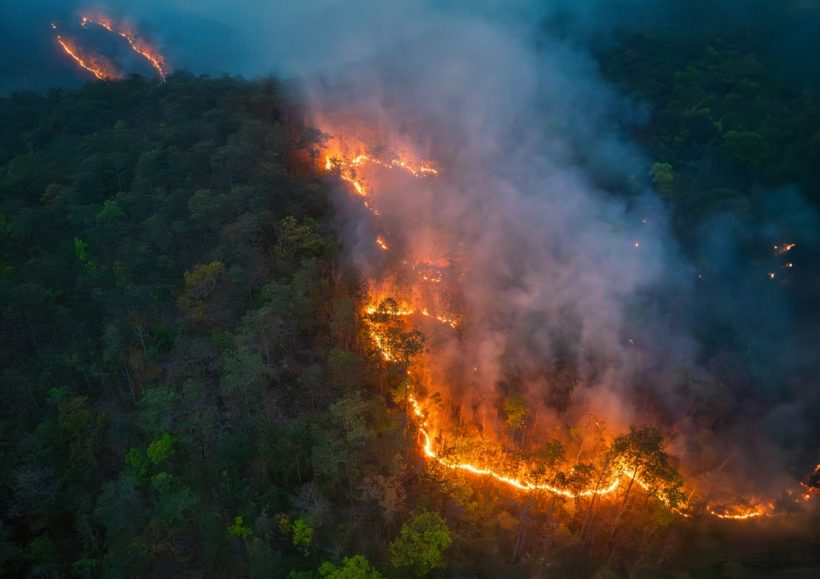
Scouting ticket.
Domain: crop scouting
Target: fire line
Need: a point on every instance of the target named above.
(96, 65)
(137, 45)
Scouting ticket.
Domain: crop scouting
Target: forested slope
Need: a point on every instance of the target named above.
(187, 386)
(176, 336)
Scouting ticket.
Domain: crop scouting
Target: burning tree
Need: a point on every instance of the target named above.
(643, 457)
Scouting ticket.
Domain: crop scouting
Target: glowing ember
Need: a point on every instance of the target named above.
(382, 243)
(812, 483)
(783, 248)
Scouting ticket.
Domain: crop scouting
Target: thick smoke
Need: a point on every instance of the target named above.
(557, 270)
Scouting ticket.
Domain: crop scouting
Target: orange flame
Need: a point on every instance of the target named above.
(99, 68)
(783, 248)
(743, 510)
(519, 484)
(349, 167)
(137, 45)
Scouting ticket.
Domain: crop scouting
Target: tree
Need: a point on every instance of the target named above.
(160, 449)
(515, 410)
(239, 529)
(746, 149)
(81, 425)
(396, 346)
(642, 454)
(297, 239)
(242, 370)
(421, 544)
(551, 453)
(199, 284)
(298, 531)
(208, 209)
(663, 177)
(111, 212)
(356, 567)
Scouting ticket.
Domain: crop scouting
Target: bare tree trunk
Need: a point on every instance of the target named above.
(140, 331)
(33, 332)
(598, 483)
(621, 513)
(130, 383)
(520, 540)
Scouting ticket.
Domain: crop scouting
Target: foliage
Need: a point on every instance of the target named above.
(163, 279)
(643, 453)
(238, 528)
(356, 567)
(301, 535)
(421, 544)
(515, 409)
(663, 177)
(160, 449)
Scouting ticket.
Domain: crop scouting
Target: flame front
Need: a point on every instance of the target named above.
(96, 66)
(523, 485)
(137, 45)
(100, 67)
(738, 513)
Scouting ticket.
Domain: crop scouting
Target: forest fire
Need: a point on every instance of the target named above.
(100, 67)
(349, 167)
(388, 321)
(410, 289)
(137, 45)
(516, 483)
(738, 513)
